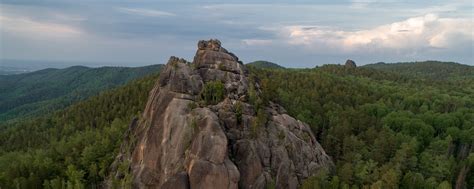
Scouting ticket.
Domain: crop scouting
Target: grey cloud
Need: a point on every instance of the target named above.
(146, 31)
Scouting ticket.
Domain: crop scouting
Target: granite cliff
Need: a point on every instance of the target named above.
(350, 64)
(205, 126)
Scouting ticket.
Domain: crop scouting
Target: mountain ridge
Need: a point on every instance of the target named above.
(360, 116)
(32, 93)
(206, 125)
(437, 70)
(264, 64)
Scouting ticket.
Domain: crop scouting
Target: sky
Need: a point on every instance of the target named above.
(293, 33)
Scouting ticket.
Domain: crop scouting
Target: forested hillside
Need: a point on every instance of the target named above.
(28, 94)
(264, 64)
(382, 129)
(428, 69)
(72, 148)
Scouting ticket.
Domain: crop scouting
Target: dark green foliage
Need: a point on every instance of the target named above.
(35, 93)
(434, 70)
(382, 129)
(258, 122)
(261, 118)
(261, 64)
(213, 92)
(238, 112)
(71, 148)
(192, 105)
(254, 98)
(258, 103)
(413, 180)
(320, 181)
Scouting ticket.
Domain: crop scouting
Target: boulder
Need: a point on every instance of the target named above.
(182, 142)
(350, 64)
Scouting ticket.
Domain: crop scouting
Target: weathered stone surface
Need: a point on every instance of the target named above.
(178, 181)
(182, 143)
(350, 64)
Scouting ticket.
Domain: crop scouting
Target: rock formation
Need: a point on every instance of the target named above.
(350, 64)
(235, 140)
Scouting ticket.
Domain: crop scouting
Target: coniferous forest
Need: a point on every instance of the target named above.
(384, 126)
(236, 94)
(384, 130)
(35, 93)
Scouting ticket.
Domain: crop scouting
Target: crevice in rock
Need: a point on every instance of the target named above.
(217, 125)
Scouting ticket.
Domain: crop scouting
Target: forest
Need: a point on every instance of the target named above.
(30, 94)
(384, 125)
(72, 148)
(382, 129)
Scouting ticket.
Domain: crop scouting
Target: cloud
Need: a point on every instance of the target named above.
(67, 17)
(145, 12)
(33, 28)
(427, 31)
(308, 31)
(256, 42)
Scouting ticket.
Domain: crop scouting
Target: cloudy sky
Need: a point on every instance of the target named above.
(293, 33)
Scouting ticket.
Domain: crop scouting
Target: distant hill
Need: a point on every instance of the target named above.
(364, 117)
(24, 66)
(431, 69)
(265, 64)
(5, 70)
(28, 94)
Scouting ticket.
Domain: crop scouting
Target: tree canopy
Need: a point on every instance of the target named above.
(383, 129)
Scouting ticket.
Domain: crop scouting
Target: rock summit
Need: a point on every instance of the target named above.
(205, 126)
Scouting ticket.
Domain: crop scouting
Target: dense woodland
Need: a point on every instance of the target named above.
(383, 129)
(72, 148)
(433, 70)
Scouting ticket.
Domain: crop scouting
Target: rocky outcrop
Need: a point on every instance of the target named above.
(350, 64)
(182, 141)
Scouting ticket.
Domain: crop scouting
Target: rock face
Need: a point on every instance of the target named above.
(350, 64)
(184, 142)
